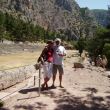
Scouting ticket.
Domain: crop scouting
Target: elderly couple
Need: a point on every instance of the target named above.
(52, 60)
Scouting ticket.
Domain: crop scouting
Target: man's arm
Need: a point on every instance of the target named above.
(64, 52)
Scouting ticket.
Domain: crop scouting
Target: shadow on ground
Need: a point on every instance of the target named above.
(36, 106)
(4, 109)
(90, 102)
(25, 91)
(35, 89)
(66, 101)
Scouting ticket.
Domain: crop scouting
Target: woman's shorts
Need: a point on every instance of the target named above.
(47, 68)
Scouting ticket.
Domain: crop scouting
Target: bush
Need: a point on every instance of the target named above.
(81, 44)
(15, 29)
(74, 44)
(1, 104)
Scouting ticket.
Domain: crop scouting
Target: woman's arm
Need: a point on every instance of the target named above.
(40, 59)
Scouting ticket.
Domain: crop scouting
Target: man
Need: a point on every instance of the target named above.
(59, 53)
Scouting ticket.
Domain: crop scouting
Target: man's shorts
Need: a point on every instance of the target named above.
(59, 68)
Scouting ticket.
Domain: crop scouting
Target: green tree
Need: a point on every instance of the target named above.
(2, 27)
(81, 45)
(100, 43)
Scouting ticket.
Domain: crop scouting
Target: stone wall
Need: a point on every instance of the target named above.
(11, 77)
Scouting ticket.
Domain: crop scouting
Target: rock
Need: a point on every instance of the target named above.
(78, 65)
(101, 16)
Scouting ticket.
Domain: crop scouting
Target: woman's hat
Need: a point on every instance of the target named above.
(50, 42)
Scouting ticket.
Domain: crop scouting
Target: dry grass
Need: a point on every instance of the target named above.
(21, 59)
(18, 59)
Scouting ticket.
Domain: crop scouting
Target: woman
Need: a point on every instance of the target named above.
(104, 61)
(46, 58)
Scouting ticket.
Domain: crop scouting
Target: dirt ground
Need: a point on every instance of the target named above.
(84, 89)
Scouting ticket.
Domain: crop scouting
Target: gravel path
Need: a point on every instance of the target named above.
(84, 89)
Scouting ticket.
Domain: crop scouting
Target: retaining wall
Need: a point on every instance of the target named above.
(11, 77)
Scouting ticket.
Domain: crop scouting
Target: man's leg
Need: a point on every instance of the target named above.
(54, 77)
(60, 79)
(61, 71)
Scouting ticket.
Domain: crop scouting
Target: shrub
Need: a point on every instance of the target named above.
(1, 104)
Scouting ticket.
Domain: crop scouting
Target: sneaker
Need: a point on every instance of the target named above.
(53, 87)
(61, 86)
(42, 87)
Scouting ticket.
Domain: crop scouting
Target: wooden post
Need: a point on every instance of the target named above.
(34, 80)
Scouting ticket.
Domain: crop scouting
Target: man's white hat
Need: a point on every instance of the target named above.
(58, 39)
(99, 55)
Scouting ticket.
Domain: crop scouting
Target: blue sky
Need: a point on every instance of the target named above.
(94, 4)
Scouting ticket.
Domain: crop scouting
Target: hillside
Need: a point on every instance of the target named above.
(63, 16)
(89, 22)
(101, 16)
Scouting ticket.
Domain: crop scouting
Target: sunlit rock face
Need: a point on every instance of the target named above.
(55, 15)
(101, 16)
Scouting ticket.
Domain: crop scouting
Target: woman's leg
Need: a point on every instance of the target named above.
(46, 80)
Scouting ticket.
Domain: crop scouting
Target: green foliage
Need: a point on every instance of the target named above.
(74, 44)
(81, 45)
(1, 104)
(100, 44)
(14, 29)
(83, 11)
(2, 22)
(101, 33)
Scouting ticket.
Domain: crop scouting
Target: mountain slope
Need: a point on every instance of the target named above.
(62, 16)
(101, 16)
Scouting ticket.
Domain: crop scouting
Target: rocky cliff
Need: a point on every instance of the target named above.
(101, 16)
(54, 15)
(89, 22)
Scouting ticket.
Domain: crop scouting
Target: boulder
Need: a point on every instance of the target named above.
(78, 65)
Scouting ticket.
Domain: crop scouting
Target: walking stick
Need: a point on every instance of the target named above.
(39, 79)
(34, 80)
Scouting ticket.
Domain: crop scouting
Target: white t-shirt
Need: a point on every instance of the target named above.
(58, 60)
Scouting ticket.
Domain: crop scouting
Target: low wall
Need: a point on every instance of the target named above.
(11, 77)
